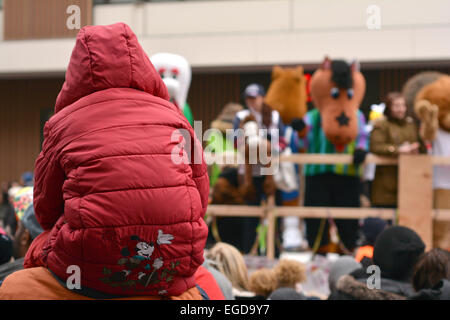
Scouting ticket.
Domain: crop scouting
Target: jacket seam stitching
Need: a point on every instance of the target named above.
(114, 127)
(191, 220)
(116, 99)
(129, 55)
(124, 155)
(90, 60)
(129, 189)
(139, 224)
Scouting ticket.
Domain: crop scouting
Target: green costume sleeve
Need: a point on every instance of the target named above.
(188, 113)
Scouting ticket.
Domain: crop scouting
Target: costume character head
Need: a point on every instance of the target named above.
(429, 94)
(287, 93)
(176, 74)
(337, 90)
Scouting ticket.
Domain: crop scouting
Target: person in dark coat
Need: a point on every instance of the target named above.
(397, 250)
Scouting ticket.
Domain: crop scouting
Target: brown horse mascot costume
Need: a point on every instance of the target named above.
(334, 126)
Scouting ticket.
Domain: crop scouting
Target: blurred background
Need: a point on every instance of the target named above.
(228, 43)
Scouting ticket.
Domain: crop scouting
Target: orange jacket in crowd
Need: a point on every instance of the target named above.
(365, 251)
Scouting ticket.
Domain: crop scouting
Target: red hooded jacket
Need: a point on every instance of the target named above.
(113, 183)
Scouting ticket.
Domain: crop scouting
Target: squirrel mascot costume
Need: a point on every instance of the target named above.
(287, 94)
(334, 126)
(429, 93)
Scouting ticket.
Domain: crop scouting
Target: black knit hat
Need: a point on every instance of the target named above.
(396, 251)
(372, 227)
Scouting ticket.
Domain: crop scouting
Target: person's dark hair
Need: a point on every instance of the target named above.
(389, 101)
(431, 268)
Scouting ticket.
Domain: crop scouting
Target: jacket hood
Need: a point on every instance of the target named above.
(359, 290)
(107, 57)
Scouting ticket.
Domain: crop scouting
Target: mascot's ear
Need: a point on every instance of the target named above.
(326, 64)
(276, 72)
(299, 71)
(355, 65)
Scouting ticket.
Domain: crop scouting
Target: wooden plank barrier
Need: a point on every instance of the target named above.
(415, 195)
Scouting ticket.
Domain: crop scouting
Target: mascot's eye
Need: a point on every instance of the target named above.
(175, 72)
(350, 93)
(334, 92)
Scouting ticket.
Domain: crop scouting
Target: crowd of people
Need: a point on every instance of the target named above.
(107, 197)
(407, 271)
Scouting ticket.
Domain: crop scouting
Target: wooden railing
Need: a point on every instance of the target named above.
(415, 197)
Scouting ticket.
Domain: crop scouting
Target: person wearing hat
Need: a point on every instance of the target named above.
(27, 179)
(266, 117)
(371, 228)
(396, 252)
(271, 121)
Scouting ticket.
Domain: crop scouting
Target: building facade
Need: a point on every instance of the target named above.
(228, 44)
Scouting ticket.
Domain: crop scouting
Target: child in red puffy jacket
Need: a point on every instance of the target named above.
(108, 193)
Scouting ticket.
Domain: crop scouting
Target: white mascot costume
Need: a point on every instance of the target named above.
(176, 74)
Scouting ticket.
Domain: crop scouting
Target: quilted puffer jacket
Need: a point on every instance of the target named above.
(121, 181)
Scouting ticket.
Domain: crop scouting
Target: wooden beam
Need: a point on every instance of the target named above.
(230, 158)
(441, 214)
(302, 212)
(271, 230)
(315, 212)
(312, 158)
(234, 211)
(439, 160)
(336, 213)
(415, 195)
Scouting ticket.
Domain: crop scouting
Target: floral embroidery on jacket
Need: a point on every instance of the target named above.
(141, 266)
